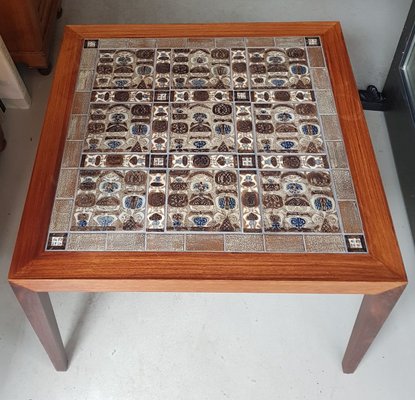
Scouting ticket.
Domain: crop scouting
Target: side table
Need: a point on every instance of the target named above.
(206, 158)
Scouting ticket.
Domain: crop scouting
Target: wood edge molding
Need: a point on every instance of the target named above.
(42, 183)
(230, 29)
(382, 244)
(254, 267)
(204, 285)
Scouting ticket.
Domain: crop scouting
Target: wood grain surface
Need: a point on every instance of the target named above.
(379, 270)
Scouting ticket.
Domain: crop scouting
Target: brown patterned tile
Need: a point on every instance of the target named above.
(72, 154)
(291, 71)
(81, 103)
(165, 242)
(86, 241)
(204, 242)
(132, 124)
(127, 43)
(260, 42)
(141, 43)
(337, 154)
(172, 42)
(77, 127)
(284, 243)
(67, 183)
(320, 78)
(137, 68)
(289, 41)
(112, 43)
(283, 126)
(88, 59)
(325, 101)
(331, 127)
(294, 201)
(126, 241)
(110, 200)
(201, 42)
(203, 200)
(325, 244)
(244, 243)
(230, 42)
(61, 216)
(315, 57)
(85, 80)
(350, 217)
(343, 184)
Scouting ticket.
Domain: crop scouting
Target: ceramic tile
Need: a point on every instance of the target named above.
(289, 41)
(88, 59)
(85, 80)
(260, 42)
(201, 68)
(126, 242)
(203, 200)
(325, 244)
(165, 242)
(279, 68)
(230, 42)
(287, 127)
(77, 127)
(202, 127)
(244, 243)
(337, 154)
(325, 102)
(284, 244)
(201, 42)
(61, 216)
(109, 200)
(343, 184)
(86, 242)
(331, 127)
(125, 69)
(320, 78)
(315, 57)
(128, 42)
(204, 144)
(205, 242)
(172, 42)
(71, 154)
(123, 127)
(356, 243)
(298, 202)
(66, 183)
(80, 103)
(350, 217)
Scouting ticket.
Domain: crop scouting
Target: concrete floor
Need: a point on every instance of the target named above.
(199, 346)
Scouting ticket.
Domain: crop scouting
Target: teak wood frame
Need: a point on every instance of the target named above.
(380, 270)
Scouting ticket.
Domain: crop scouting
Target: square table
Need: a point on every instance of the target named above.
(206, 158)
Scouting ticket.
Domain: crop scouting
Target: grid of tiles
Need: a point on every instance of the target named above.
(217, 144)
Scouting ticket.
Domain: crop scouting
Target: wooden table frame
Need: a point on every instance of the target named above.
(379, 274)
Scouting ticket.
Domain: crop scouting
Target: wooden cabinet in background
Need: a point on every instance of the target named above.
(27, 28)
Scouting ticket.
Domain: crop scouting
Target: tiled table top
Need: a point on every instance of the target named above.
(213, 144)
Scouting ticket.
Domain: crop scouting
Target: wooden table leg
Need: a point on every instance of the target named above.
(372, 314)
(39, 311)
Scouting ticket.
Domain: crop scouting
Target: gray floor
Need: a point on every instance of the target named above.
(206, 346)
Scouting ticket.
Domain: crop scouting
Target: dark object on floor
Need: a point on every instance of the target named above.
(3, 142)
(2, 139)
(45, 71)
(372, 99)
